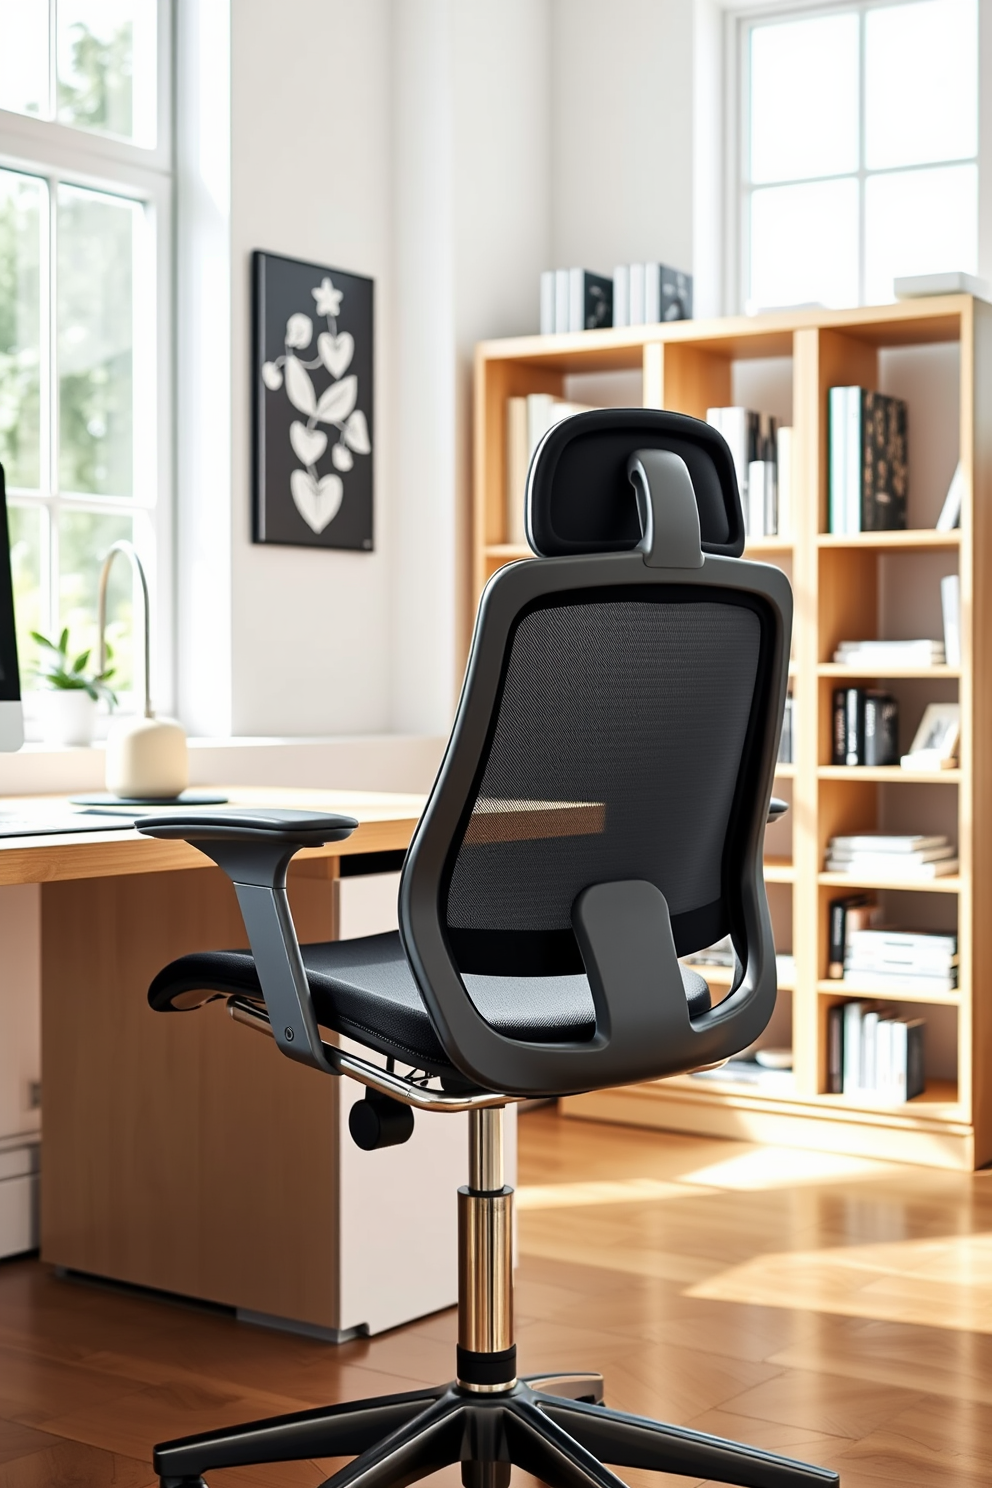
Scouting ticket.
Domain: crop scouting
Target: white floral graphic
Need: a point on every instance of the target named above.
(318, 497)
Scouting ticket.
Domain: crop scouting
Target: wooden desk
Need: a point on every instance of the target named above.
(180, 1152)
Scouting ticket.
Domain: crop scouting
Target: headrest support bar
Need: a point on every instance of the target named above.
(666, 509)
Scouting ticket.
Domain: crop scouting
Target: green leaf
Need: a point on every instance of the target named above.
(63, 645)
(80, 661)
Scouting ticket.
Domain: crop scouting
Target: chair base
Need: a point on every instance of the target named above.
(552, 1426)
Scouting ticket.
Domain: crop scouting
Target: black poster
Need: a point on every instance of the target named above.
(312, 405)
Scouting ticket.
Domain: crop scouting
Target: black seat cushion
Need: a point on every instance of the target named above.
(364, 988)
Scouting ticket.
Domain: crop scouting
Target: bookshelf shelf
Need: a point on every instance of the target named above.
(846, 990)
(880, 774)
(914, 539)
(931, 673)
(949, 885)
(867, 585)
(722, 976)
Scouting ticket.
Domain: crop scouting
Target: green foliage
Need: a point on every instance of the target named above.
(99, 95)
(56, 671)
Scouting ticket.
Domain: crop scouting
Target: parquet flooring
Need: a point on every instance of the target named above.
(834, 1309)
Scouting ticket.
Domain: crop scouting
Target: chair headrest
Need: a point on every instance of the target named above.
(580, 498)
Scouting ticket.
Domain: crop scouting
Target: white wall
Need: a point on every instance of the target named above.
(622, 173)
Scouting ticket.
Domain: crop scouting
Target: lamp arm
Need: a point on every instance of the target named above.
(130, 553)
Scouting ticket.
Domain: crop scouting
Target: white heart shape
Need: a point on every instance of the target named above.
(317, 502)
(271, 376)
(309, 444)
(342, 457)
(336, 352)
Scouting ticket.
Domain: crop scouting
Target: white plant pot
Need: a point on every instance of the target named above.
(68, 716)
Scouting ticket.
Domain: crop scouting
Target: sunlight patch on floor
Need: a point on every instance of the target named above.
(782, 1167)
(944, 1283)
(619, 1191)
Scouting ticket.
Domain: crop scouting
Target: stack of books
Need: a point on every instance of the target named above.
(865, 727)
(869, 473)
(762, 454)
(876, 656)
(872, 856)
(527, 421)
(647, 293)
(575, 300)
(847, 915)
(901, 961)
(873, 1054)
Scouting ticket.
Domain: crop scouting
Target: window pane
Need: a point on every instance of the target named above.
(84, 540)
(25, 565)
(804, 245)
(919, 222)
(21, 212)
(105, 56)
(804, 98)
(921, 83)
(95, 342)
(24, 56)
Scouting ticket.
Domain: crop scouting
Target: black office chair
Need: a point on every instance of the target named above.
(600, 811)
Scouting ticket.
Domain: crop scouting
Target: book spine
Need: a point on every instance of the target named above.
(854, 713)
(881, 716)
(621, 295)
(837, 420)
(597, 302)
(854, 478)
(517, 461)
(835, 1050)
(548, 302)
(853, 1012)
(950, 603)
(837, 913)
(785, 745)
(869, 1053)
(561, 300)
(915, 1074)
(637, 294)
(784, 454)
(839, 755)
(576, 300)
(652, 293)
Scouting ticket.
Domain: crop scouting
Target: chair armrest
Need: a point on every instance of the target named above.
(254, 848)
(776, 808)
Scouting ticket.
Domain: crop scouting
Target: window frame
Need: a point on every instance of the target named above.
(741, 18)
(62, 154)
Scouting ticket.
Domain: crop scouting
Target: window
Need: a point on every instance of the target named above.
(84, 283)
(859, 150)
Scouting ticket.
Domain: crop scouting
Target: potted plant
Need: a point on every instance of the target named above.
(69, 694)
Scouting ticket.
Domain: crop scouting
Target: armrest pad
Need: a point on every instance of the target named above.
(302, 828)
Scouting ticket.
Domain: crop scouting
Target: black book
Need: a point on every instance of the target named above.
(838, 911)
(590, 301)
(881, 729)
(854, 726)
(835, 1050)
(915, 1078)
(839, 753)
(869, 471)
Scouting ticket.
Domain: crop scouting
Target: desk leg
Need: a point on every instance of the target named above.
(180, 1151)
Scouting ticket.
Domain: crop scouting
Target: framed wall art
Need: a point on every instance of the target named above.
(312, 412)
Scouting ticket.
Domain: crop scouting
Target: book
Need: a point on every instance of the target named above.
(882, 842)
(955, 281)
(786, 746)
(636, 294)
(878, 654)
(851, 1068)
(784, 456)
(561, 300)
(548, 302)
(868, 473)
(950, 512)
(845, 916)
(907, 955)
(518, 453)
(751, 437)
(667, 294)
(950, 604)
(835, 1049)
(590, 300)
(890, 981)
(762, 499)
(881, 729)
(621, 295)
(886, 867)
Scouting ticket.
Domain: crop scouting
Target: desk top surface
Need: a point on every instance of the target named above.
(386, 823)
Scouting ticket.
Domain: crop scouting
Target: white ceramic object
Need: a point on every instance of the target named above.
(67, 715)
(147, 757)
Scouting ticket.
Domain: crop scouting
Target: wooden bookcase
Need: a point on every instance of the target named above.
(938, 354)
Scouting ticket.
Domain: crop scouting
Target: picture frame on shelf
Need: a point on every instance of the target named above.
(935, 743)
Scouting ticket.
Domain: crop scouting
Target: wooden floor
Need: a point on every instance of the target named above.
(831, 1308)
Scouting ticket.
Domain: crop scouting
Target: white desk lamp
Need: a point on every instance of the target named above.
(146, 756)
